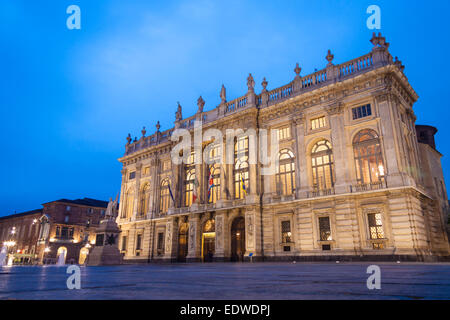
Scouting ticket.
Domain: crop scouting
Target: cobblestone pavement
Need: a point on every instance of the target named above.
(226, 281)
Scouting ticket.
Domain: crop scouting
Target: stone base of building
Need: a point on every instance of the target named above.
(312, 258)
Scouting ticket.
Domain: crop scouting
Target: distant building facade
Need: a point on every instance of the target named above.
(63, 226)
(355, 177)
(20, 233)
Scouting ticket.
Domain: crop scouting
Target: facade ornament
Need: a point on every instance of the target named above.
(329, 58)
(135, 139)
(399, 64)
(264, 84)
(250, 83)
(335, 108)
(157, 126)
(178, 115)
(379, 41)
(223, 94)
(297, 70)
(200, 104)
(143, 131)
(129, 138)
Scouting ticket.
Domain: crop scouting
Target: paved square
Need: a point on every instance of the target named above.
(283, 281)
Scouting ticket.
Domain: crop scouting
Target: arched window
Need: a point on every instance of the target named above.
(214, 183)
(322, 166)
(285, 177)
(213, 174)
(241, 168)
(164, 196)
(144, 200)
(368, 158)
(189, 181)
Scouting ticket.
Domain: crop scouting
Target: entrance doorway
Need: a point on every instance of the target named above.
(208, 241)
(183, 237)
(238, 239)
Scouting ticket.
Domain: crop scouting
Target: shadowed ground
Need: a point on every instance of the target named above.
(229, 281)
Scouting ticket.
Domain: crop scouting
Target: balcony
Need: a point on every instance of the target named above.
(362, 187)
(320, 193)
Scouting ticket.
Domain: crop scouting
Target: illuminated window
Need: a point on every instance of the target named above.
(146, 171)
(160, 244)
(317, 123)
(284, 133)
(324, 229)
(241, 168)
(322, 165)
(164, 196)
(124, 243)
(368, 158)
(143, 202)
(361, 112)
(375, 226)
(285, 175)
(189, 181)
(166, 165)
(213, 174)
(138, 243)
(286, 235)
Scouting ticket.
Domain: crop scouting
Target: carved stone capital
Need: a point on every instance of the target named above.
(335, 108)
(299, 118)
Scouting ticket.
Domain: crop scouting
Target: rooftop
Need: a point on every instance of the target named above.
(22, 214)
(85, 202)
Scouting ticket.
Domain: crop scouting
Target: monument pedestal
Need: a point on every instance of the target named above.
(106, 251)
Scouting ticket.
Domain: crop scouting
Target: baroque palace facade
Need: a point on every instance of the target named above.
(356, 179)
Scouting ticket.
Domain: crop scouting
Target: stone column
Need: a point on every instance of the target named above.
(338, 142)
(122, 194)
(252, 232)
(170, 240)
(219, 254)
(155, 183)
(137, 191)
(301, 172)
(387, 135)
(194, 241)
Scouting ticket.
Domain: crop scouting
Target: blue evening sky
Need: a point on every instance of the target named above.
(69, 98)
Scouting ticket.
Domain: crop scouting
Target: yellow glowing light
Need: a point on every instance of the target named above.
(381, 169)
(9, 243)
(47, 249)
(52, 239)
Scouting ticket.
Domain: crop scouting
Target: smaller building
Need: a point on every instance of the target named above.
(68, 229)
(63, 228)
(20, 233)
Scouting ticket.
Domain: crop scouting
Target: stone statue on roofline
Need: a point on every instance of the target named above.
(200, 104)
(178, 115)
(223, 94)
(250, 83)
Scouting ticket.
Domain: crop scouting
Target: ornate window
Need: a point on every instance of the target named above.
(285, 174)
(164, 196)
(189, 181)
(284, 133)
(317, 123)
(144, 200)
(213, 174)
(368, 158)
(375, 226)
(241, 168)
(325, 229)
(286, 235)
(322, 165)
